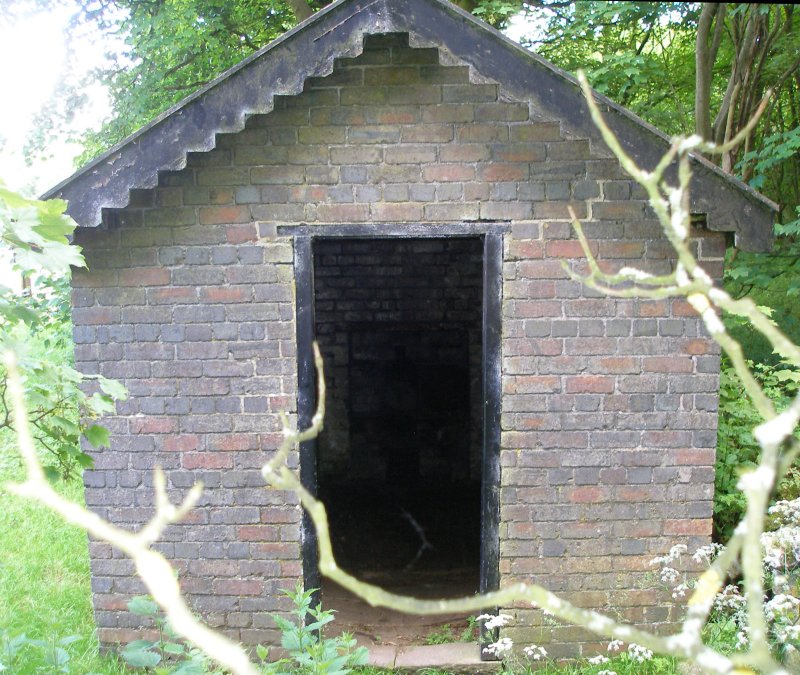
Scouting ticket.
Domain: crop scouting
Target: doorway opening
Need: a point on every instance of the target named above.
(408, 461)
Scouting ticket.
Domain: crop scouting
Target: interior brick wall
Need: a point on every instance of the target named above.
(608, 405)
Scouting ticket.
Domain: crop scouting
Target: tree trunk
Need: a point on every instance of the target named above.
(300, 9)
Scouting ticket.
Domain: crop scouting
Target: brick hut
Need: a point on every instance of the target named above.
(392, 179)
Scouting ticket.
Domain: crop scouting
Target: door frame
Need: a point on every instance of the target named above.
(492, 236)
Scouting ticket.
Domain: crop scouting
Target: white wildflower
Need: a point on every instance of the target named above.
(669, 575)
(597, 660)
(502, 646)
(492, 621)
(638, 653)
(607, 672)
(615, 645)
(535, 652)
(680, 591)
(705, 554)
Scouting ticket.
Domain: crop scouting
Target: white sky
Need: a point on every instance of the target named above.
(33, 50)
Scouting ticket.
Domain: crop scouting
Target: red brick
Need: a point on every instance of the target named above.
(667, 364)
(621, 249)
(559, 210)
(268, 548)
(527, 248)
(520, 152)
(233, 442)
(279, 515)
(261, 533)
(182, 443)
(95, 316)
(473, 152)
(343, 212)
(652, 308)
(226, 294)
(568, 248)
(401, 211)
(153, 425)
(531, 309)
(681, 307)
(618, 364)
(144, 276)
(532, 384)
(237, 587)
(221, 215)
(626, 493)
(696, 347)
(442, 173)
(700, 526)
(207, 460)
(541, 269)
(309, 193)
(586, 494)
(239, 234)
(503, 172)
(624, 210)
(171, 295)
(589, 384)
(695, 457)
(220, 196)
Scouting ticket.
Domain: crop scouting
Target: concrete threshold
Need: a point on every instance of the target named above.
(454, 657)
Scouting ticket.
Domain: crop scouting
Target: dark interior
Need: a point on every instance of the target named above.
(399, 462)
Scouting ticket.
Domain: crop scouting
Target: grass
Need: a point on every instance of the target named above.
(44, 580)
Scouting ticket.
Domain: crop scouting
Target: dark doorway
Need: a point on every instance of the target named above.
(408, 463)
(399, 323)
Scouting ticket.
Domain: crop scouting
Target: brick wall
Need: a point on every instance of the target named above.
(609, 406)
(412, 305)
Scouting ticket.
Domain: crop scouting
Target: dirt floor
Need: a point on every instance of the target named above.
(422, 542)
(373, 626)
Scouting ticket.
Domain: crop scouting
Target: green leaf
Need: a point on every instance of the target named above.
(141, 659)
(97, 436)
(189, 668)
(174, 648)
(141, 605)
(112, 388)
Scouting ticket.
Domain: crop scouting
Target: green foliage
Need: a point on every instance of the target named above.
(35, 324)
(446, 634)
(625, 48)
(775, 149)
(44, 656)
(167, 653)
(737, 450)
(173, 48)
(310, 653)
(44, 585)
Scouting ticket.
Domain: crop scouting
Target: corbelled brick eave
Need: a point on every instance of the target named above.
(309, 50)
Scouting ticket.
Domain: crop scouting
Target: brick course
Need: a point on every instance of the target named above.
(609, 405)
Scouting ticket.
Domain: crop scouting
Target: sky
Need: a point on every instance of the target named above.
(33, 51)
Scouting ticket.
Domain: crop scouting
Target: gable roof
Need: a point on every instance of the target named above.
(309, 50)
